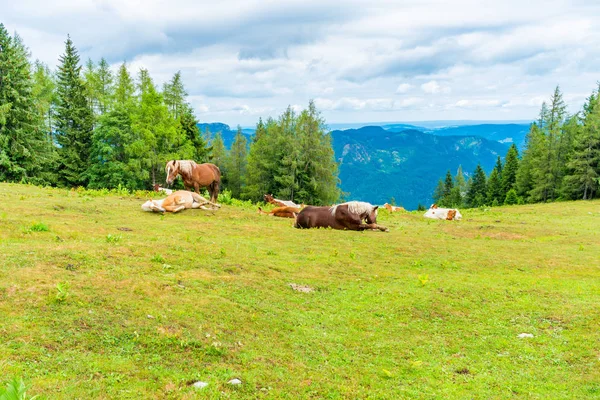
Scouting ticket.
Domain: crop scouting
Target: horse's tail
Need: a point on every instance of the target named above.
(295, 220)
(260, 211)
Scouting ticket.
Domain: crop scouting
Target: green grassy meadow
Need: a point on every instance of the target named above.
(101, 300)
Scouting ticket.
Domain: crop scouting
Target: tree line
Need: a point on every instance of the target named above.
(85, 125)
(560, 161)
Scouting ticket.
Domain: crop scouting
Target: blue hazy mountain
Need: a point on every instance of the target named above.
(378, 164)
(227, 133)
(405, 160)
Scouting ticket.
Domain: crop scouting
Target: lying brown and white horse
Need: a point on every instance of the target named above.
(449, 214)
(195, 176)
(343, 216)
(177, 201)
(392, 208)
(283, 212)
(279, 203)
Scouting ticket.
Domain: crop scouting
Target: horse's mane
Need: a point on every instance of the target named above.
(186, 167)
(354, 207)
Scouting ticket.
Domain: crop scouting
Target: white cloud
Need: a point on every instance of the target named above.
(404, 88)
(433, 87)
(244, 59)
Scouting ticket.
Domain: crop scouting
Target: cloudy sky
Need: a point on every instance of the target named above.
(361, 61)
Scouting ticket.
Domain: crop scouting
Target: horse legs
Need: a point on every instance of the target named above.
(374, 227)
(174, 209)
(196, 188)
(213, 189)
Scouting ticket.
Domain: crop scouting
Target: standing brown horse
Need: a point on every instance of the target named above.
(195, 176)
(348, 216)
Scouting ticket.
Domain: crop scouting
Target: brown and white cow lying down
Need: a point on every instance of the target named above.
(392, 208)
(177, 201)
(448, 214)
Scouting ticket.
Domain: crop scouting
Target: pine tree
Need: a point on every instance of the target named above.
(292, 157)
(448, 186)
(494, 184)
(548, 165)
(236, 164)
(175, 94)
(533, 154)
(477, 192)
(510, 169)
(74, 120)
(124, 89)
(219, 158)
(438, 193)
(24, 146)
(583, 180)
(188, 126)
(511, 198)
(156, 138)
(105, 86)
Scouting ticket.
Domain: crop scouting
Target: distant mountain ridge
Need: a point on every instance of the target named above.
(377, 164)
(405, 161)
(225, 130)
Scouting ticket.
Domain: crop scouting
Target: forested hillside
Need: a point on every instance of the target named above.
(560, 161)
(380, 166)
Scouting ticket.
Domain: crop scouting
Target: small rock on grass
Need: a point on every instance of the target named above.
(200, 384)
(301, 288)
(235, 381)
(525, 335)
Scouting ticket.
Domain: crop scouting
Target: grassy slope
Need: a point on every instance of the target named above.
(221, 307)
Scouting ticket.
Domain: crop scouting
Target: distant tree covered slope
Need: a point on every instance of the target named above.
(377, 165)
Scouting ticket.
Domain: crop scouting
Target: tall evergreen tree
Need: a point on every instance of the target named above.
(438, 193)
(174, 95)
(156, 138)
(74, 120)
(236, 164)
(125, 88)
(188, 125)
(533, 153)
(219, 157)
(494, 185)
(24, 145)
(509, 170)
(292, 157)
(477, 192)
(583, 181)
(105, 86)
(448, 186)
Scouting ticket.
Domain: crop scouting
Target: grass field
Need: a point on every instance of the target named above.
(101, 300)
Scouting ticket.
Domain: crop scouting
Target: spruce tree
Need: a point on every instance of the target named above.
(236, 164)
(24, 146)
(511, 198)
(510, 169)
(494, 185)
(219, 158)
(174, 95)
(438, 193)
(105, 86)
(188, 125)
(125, 88)
(448, 186)
(583, 181)
(156, 138)
(477, 192)
(74, 120)
(532, 156)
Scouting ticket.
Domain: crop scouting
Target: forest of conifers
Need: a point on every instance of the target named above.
(560, 161)
(88, 126)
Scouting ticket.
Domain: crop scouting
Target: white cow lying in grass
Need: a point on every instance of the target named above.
(449, 214)
(177, 201)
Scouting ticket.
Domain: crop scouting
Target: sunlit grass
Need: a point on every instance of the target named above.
(432, 309)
